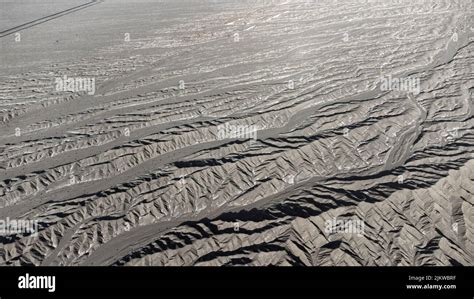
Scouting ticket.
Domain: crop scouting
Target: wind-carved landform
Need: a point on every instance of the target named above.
(239, 133)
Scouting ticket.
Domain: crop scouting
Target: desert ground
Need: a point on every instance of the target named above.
(225, 132)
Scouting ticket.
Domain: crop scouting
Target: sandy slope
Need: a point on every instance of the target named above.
(138, 173)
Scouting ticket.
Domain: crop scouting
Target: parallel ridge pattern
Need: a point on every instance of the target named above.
(171, 191)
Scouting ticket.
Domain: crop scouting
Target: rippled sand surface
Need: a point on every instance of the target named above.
(238, 132)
